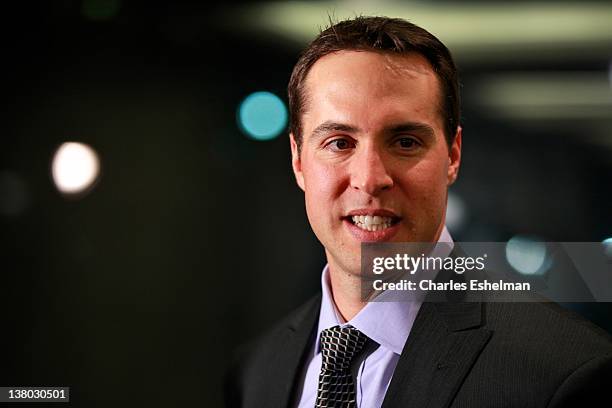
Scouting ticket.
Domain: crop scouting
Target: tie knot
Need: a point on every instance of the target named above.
(339, 345)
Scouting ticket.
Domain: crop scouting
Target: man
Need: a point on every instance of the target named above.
(376, 142)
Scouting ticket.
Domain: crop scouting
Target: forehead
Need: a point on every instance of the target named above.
(387, 65)
(366, 85)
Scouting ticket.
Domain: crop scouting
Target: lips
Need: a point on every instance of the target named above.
(372, 224)
(373, 211)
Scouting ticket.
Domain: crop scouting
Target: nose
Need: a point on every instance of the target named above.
(369, 172)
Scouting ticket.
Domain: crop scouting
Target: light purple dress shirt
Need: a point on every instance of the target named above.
(386, 323)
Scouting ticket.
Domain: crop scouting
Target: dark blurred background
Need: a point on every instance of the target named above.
(192, 237)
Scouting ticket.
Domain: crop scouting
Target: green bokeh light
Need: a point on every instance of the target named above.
(262, 116)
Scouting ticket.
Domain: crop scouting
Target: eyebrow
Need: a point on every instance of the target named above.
(416, 127)
(330, 126)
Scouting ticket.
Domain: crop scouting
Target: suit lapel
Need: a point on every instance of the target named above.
(292, 345)
(446, 339)
(442, 347)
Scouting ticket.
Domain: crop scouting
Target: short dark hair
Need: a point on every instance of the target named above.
(378, 34)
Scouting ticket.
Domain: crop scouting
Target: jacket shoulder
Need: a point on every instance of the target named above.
(269, 338)
(538, 352)
(251, 360)
(546, 326)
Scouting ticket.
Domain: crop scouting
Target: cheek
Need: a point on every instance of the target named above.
(323, 182)
(323, 187)
(426, 183)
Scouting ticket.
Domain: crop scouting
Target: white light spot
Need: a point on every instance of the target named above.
(527, 255)
(607, 243)
(75, 167)
(455, 212)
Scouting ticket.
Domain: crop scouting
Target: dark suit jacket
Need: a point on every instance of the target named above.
(470, 354)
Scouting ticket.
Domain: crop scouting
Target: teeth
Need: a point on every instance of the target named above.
(372, 223)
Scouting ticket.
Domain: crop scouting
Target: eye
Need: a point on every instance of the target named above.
(339, 144)
(407, 142)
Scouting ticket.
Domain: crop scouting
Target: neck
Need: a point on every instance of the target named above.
(346, 292)
(346, 286)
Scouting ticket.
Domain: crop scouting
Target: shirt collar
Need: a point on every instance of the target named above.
(388, 323)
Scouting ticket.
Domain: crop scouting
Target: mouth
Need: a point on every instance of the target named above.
(373, 222)
(372, 225)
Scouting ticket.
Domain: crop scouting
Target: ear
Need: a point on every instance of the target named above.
(296, 162)
(454, 157)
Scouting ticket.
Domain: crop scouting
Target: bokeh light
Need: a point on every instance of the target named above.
(75, 167)
(456, 212)
(607, 246)
(262, 116)
(527, 255)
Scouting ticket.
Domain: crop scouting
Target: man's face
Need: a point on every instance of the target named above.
(374, 164)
